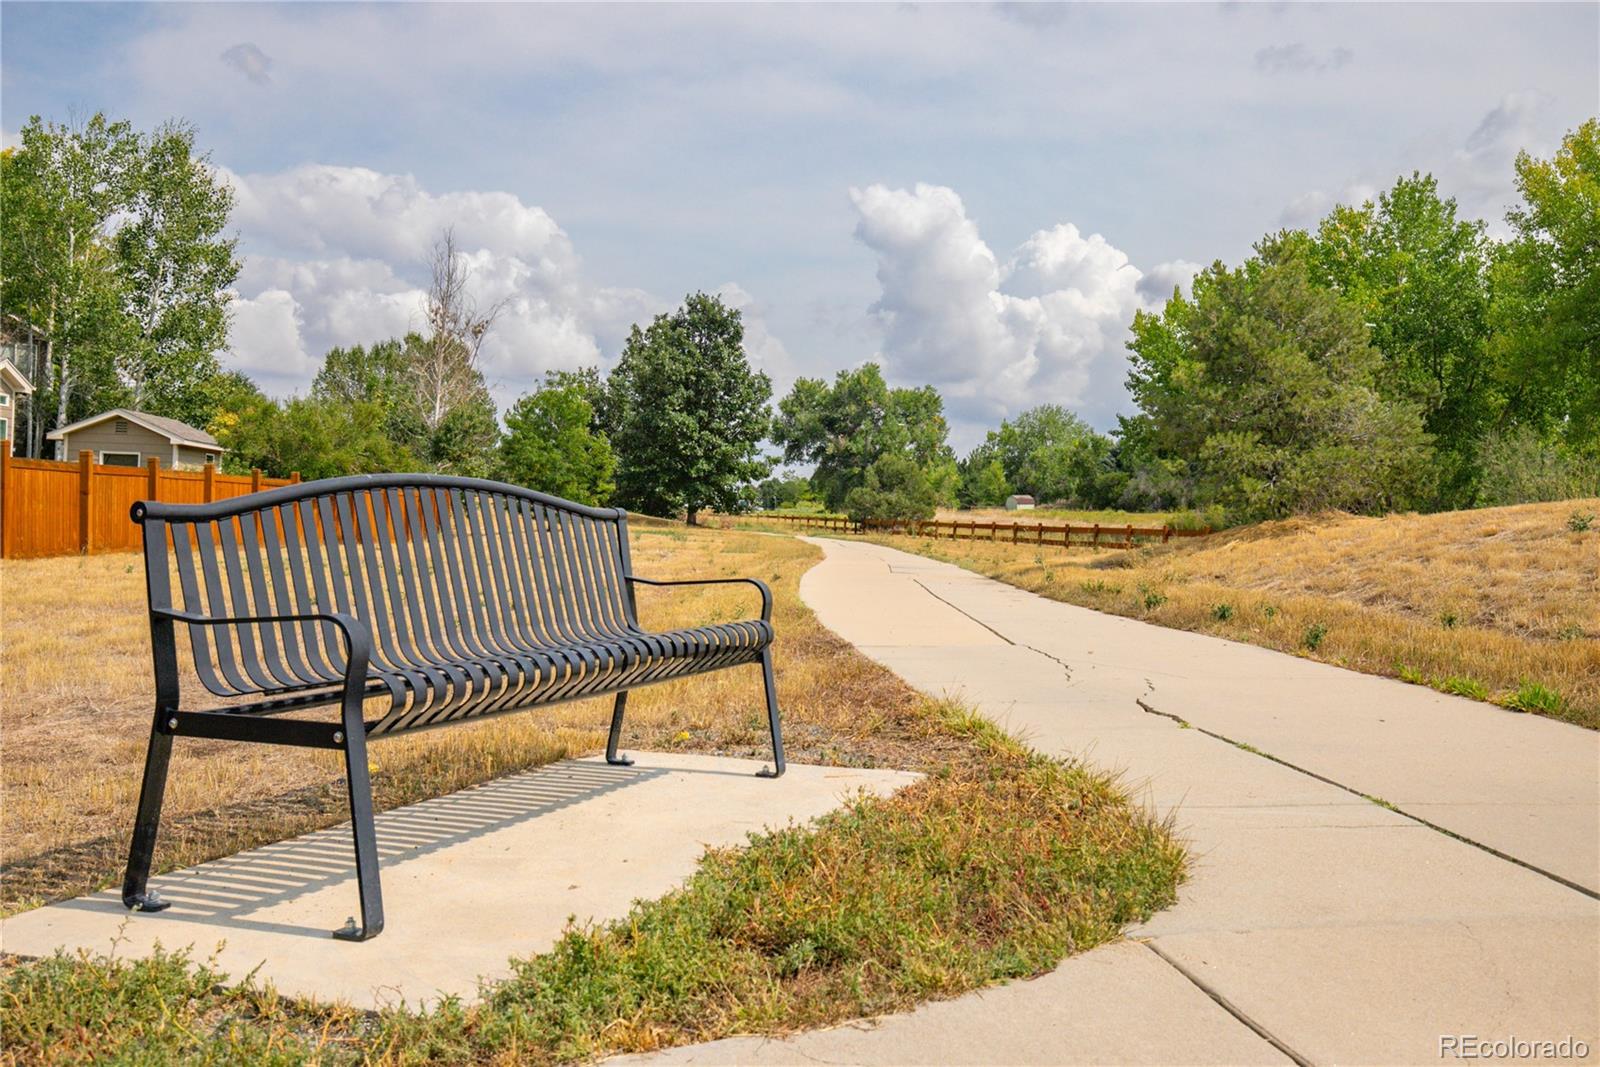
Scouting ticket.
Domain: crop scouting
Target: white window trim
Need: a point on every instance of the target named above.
(5, 399)
(138, 457)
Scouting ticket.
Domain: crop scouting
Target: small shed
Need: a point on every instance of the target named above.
(123, 438)
(1019, 502)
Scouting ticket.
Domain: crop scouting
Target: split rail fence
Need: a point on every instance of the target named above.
(48, 508)
(1056, 535)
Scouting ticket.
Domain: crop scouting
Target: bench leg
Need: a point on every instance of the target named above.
(777, 768)
(147, 822)
(616, 733)
(366, 838)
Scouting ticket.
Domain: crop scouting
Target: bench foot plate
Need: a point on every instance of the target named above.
(620, 761)
(351, 932)
(768, 772)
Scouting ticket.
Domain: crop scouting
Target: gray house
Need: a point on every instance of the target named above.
(13, 384)
(123, 438)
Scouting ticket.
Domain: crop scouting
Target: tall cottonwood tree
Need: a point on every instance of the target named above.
(177, 266)
(60, 190)
(845, 426)
(686, 413)
(1546, 309)
(111, 247)
(1263, 385)
(1419, 276)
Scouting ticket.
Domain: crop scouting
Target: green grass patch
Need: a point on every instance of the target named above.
(1531, 696)
(993, 867)
(1460, 686)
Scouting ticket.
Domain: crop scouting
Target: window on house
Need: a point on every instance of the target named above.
(5, 400)
(120, 459)
(5, 429)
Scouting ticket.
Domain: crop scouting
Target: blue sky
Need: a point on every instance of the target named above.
(977, 196)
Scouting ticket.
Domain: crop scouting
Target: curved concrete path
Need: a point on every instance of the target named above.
(1319, 926)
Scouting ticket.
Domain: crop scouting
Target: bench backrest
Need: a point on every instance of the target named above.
(435, 566)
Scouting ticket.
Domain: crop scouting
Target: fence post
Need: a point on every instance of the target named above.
(208, 479)
(5, 494)
(85, 489)
(1166, 534)
(294, 477)
(255, 479)
(152, 487)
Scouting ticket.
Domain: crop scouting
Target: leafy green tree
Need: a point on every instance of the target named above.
(374, 372)
(1420, 278)
(1265, 384)
(894, 487)
(176, 269)
(846, 427)
(686, 413)
(317, 437)
(1051, 454)
(1546, 308)
(551, 443)
(983, 479)
(775, 493)
(237, 406)
(466, 441)
(62, 188)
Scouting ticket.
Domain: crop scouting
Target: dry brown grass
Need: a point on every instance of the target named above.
(77, 687)
(1481, 603)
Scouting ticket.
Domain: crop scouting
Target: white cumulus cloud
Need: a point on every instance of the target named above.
(338, 256)
(1047, 325)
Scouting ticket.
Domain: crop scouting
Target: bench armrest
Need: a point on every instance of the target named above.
(356, 634)
(761, 587)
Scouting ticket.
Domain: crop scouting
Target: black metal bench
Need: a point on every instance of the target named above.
(432, 600)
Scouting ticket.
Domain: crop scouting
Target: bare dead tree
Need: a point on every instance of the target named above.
(444, 366)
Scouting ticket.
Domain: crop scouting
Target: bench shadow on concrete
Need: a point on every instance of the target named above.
(228, 891)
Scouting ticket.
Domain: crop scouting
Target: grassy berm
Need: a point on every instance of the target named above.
(995, 865)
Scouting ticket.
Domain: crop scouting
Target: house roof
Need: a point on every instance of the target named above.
(1022, 498)
(179, 433)
(14, 378)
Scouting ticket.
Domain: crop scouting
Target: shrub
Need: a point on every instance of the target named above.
(1214, 517)
(1312, 638)
(1222, 612)
(1519, 467)
(896, 488)
(1580, 521)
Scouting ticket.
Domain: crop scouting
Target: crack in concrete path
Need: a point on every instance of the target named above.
(1379, 801)
(1063, 664)
(1228, 1006)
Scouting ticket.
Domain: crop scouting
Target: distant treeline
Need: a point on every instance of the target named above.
(1394, 357)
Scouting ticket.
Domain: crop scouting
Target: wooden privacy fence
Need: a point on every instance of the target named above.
(63, 509)
(1055, 535)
